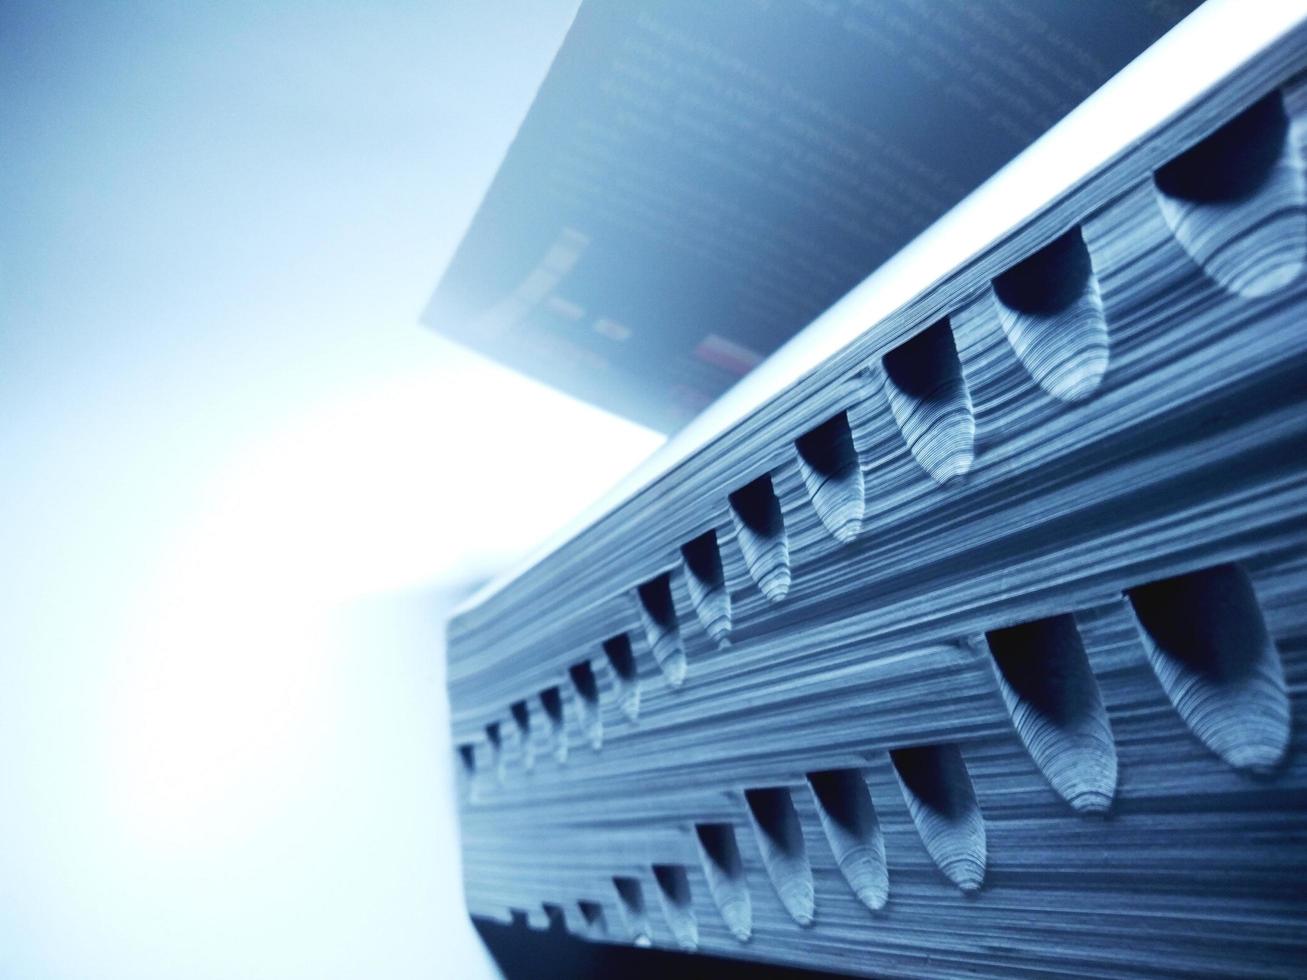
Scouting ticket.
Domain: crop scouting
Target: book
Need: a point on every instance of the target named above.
(696, 182)
(967, 637)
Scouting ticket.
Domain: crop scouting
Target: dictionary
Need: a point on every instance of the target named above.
(966, 636)
(696, 182)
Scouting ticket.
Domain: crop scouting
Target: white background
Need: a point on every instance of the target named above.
(239, 482)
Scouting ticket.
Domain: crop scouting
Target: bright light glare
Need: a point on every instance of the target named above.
(222, 701)
(223, 738)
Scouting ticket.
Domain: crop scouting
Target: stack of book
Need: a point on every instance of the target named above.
(969, 637)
